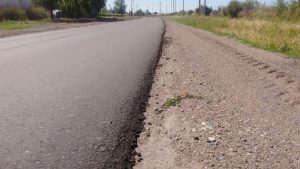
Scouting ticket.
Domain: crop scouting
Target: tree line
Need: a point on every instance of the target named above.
(72, 8)
(283, 9)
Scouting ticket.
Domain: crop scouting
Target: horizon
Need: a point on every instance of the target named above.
(154, 5)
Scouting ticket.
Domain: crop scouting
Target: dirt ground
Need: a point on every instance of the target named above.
(235, 106)
(43, 28)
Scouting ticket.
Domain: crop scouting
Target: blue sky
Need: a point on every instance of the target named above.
(189, 4)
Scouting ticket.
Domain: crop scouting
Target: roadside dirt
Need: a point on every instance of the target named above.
(44, 28)
(236, 107)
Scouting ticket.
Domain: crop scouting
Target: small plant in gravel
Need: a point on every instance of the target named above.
(172, 102)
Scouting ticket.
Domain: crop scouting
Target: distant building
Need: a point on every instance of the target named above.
(16, 3)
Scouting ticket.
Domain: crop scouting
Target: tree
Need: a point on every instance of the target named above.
(207, 10)
(139, 13)
(234, 8)
(148, 13)
(120, 6)
(50, 5)
(96, 6)
(281, 7)
(81, 8)
(249, 6)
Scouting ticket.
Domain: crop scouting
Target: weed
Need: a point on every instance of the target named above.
(172, 102)
(284, 48)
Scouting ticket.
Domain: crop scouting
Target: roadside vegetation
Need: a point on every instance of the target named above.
(19, 18)
(43, 11)
(11, 25)
(275, 28)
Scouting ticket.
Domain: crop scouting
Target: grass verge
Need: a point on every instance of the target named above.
(11, 25)
(275, 36)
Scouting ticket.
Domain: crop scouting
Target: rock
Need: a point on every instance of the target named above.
(148, 134)
(139, 154)
(196, 138)
(102, 149)
(194, 130)
(203, 123)
(211, 139)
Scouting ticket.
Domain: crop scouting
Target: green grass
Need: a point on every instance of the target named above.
(172, 102)
(275, 36)
(11, 25)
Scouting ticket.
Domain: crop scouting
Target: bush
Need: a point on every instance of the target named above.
(234, 8)
(36, 13)
(293, 12)
(281, 7)
(1, 14)
(190, 12)
(12, 13)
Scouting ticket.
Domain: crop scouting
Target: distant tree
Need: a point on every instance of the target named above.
(281, 7)
(50, 5)
(208, 10)
(190, 12)
(249, 6)
(120, 6)
(81, 8)
(95, 7)
(148, 13)
(234, 8)
(139, 13)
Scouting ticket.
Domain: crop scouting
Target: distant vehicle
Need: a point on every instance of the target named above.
(15, 3)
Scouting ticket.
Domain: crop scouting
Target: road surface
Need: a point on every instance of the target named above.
(68, 98)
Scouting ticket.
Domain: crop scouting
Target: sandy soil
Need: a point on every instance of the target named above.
(240, 107)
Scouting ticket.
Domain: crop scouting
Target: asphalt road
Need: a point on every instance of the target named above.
(68, 97)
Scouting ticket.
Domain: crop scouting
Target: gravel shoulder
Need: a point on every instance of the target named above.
(235, 106)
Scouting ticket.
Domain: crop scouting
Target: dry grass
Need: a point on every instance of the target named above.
(283, 37)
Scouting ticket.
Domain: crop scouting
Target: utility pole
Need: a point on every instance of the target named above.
(131, 13)
(166, 8)
(160, 7)
(121, 7)
(204, 8)
(183, 6)
(152, 8)
(172, 4)
(199, 10)
(176, 5)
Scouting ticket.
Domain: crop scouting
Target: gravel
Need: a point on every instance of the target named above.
(244, 113)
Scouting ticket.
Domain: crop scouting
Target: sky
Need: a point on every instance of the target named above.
(153, 5)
